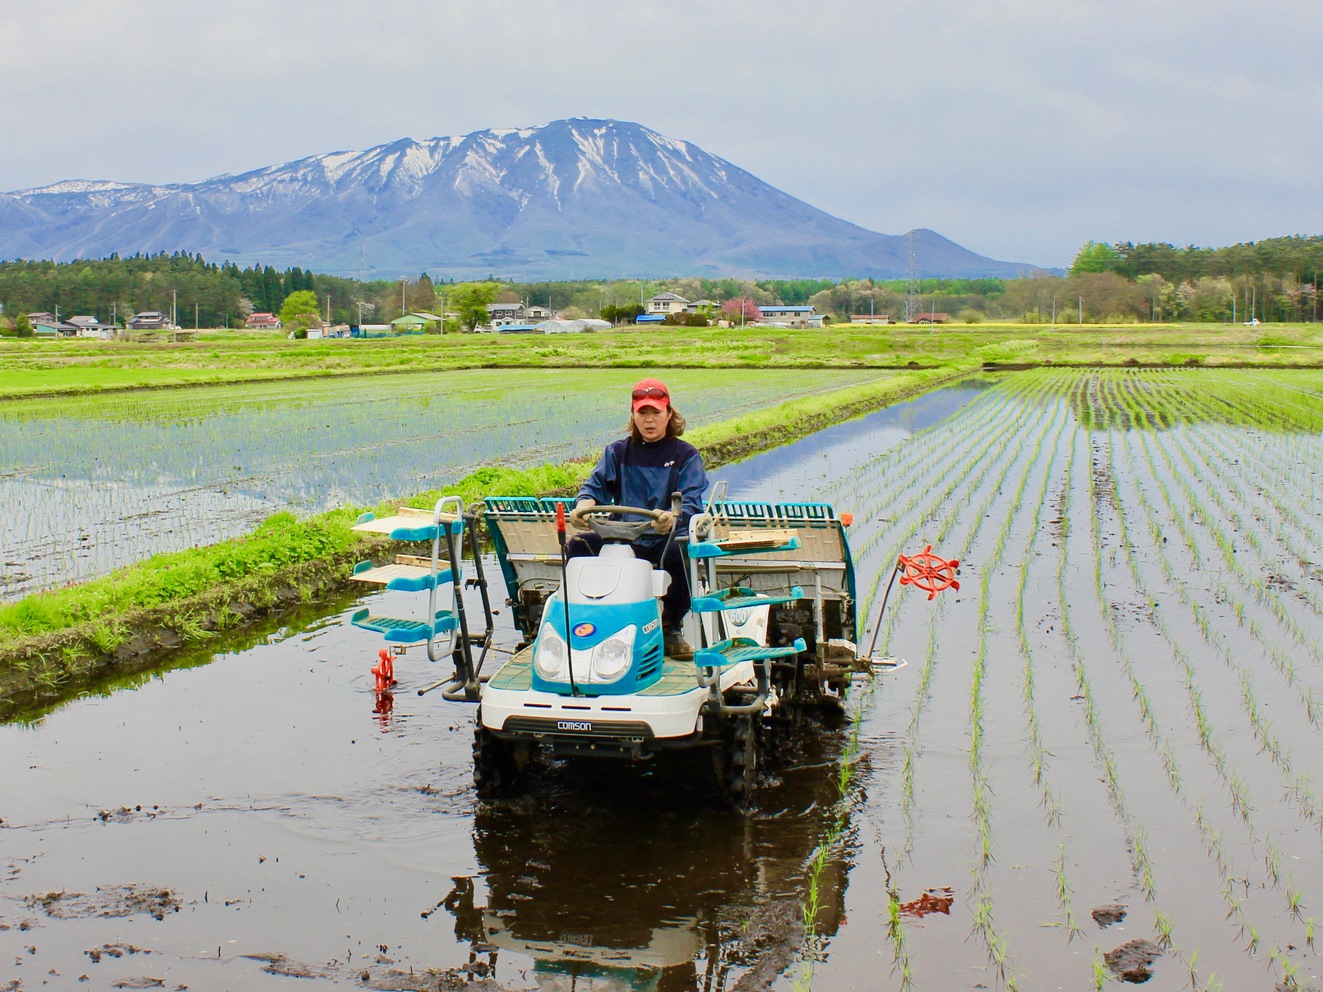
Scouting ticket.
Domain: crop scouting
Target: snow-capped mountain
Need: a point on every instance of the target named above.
(575, 198)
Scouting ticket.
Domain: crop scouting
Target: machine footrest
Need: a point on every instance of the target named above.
(738, 598)
(738, 649)
(745, 543)
(408, 524)
(408, 631)
(401, 577)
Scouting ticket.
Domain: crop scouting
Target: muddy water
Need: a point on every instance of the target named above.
(257, 818)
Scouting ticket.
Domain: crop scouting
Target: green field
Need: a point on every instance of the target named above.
(53, 367)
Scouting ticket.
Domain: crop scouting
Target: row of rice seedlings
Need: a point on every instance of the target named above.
(1279, 659)
(1215, 848)
(971, 483)
(927, 495)
(1034, 746)
(1079, 666)
(1232, 560)
(896, 929)
(1238, 791)
(992, 455)
(1294, 526)
(1208, 739)
(924, 476)
(1141, 866)
(1212, 839)
(1247, 526)
(822, 855)
(984, 922)
(993, 433)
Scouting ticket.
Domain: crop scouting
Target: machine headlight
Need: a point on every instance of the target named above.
(612, 658)
(550, 657)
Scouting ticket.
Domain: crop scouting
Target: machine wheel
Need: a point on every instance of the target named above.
(737, 762)
(499, 767)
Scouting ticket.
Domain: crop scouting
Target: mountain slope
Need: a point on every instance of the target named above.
(573, 198)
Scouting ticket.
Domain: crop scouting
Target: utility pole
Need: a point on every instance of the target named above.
(196, 308)
(912, 283)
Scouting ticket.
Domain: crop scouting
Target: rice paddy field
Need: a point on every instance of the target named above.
(90, 483)
(1112, 732)
(1100, 764)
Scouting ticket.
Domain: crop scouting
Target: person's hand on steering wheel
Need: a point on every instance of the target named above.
(579, 515)
(663, 522)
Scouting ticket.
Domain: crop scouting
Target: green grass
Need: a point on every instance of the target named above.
(31, 367)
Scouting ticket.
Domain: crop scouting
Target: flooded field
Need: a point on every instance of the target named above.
(1099, 766)
(91, 483)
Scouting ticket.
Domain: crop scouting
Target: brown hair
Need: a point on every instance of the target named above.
(675, 424)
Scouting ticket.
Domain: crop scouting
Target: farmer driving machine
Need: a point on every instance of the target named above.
(773, 619)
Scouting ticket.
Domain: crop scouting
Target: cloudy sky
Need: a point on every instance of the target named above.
(1018, 128)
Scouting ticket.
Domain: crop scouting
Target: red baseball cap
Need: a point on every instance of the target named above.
(651, 392)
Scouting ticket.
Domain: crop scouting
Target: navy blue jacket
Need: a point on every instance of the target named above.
(644, 474)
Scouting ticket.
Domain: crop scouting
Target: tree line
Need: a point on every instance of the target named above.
(1271, 280)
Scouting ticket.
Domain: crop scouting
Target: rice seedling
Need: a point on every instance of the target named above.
(1099, 979)
(1294, 900)
(1163, 925)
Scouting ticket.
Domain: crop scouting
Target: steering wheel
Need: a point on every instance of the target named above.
(610, 510)
(618, 529)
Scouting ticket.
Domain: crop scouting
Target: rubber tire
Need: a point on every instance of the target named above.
(737, 762)
(499, 767)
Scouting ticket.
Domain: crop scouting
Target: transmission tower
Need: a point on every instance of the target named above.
(912, 284)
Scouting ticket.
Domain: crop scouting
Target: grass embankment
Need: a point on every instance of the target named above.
(31, 368)
(52, 641)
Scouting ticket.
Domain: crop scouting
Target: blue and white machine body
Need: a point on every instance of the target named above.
(613, 644)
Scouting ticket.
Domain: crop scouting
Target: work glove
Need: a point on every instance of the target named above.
(577, 519)
(663, 522)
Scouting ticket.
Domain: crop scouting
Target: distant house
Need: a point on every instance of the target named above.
(44, 324)
(415, 323)
(871, 318)
(702, 306)
(262, 322)
(149, 320)
(665, 303)
(91, 327)
(501, 316)
(930, 318)
(789, 316)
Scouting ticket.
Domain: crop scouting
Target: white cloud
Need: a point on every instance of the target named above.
(1019, 129)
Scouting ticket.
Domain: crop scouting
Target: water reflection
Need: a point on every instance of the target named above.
(608, 880)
